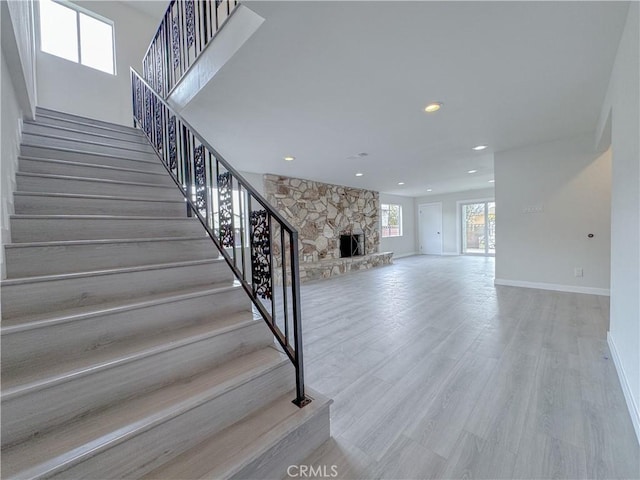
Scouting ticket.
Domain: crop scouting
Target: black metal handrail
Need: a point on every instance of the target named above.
(236, 217)
(187, 27)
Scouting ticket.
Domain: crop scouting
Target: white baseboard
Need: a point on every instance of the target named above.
(631, 404)
(450, 253)
(402, 255)
(553, 286)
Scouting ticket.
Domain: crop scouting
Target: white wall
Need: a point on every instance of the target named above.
(571, 183)
(623, 104)
(18, 97)
(74, 88)
(19, 46)
(406, 244)
(450, 219)
(10, 127)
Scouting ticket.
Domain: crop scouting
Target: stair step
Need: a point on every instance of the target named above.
(51, 228)
(50, 258)
(46, 183)
(36, 402)
(38, 295)
(135, 135)
(70, 117)
(75, 131)
(262, 445)
(99, 144)
(33, 341)
(120, 159)
(33, 203)
(84, 147)
(88, 170)
(134, 437)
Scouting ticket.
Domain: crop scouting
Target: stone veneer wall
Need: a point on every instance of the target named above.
(322, 212)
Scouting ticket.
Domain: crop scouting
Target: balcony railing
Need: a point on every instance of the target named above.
(187, 27)
(253, 237)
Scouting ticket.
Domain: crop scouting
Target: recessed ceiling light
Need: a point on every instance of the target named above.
(472, 171)
(429, 190)
(289, 158)
(400, 183)
(433, 107)
(492, 181)
(359, 174)
(480, 147)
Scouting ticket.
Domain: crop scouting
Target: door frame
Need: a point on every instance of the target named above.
(459, 204)
(430, 204)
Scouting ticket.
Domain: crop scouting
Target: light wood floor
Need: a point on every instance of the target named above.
(437, 373)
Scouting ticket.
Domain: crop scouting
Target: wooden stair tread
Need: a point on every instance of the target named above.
(225, 454)
(76, 314)
(73, 163)
(82, 196)
(55, 114)
(134, 138)
(66, 243)
(110, 271)
(95, 180)
(55, 450)
(120, 352)
(151, 158)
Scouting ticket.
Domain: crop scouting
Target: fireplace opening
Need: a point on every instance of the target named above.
(352, 245)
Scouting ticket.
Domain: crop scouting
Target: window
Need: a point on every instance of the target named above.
(391, 220)
(70, 32)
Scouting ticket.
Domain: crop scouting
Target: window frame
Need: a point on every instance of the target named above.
(385, 230)
(81, 10)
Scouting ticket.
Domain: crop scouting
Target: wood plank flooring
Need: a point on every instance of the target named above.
(437, 373)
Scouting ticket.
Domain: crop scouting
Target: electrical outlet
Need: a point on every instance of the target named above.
(532, 209)
(577, 271)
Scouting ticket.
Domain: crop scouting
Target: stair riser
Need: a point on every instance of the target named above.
(43, 409)
(52, 115)
(291, 450)
(135, 135)
(44, 205)
(27, 183)
(58, 229)
(37, 140)
(157, 445)
(133, 143)
(51, 260)
(28, 350)
(53, 168)
(121, 160)
(62, 294)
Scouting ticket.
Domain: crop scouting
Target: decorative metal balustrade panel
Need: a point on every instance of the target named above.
(225, 209)
(175, 42)
(200, 179)
(261, 254)
(173, 145)
(190, 15)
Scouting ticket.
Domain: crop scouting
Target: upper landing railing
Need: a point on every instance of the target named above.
(185, 30)
(257, 242)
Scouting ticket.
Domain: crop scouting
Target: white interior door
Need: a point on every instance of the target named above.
(430, 220)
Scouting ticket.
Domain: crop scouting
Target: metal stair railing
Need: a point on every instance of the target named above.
(257, 242)
(186, 29)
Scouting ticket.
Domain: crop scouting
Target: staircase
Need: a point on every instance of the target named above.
(128, 350)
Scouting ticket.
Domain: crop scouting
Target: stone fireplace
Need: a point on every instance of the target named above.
(322, 213)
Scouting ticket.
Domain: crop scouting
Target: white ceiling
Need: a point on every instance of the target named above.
(323, 81)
